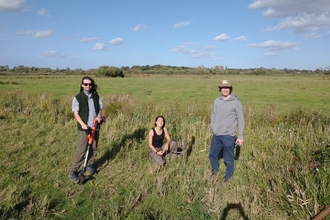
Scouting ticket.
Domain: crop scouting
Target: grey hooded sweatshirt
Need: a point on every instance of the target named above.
(226, 115)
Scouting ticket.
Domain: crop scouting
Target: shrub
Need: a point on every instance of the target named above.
(110, 71)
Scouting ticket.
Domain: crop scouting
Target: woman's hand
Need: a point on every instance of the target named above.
(166, 147)
(159, 152)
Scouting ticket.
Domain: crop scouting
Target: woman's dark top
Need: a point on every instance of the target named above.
(157, 140)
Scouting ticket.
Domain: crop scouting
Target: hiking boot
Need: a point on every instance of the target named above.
(214, 174)
(73, 176)
(226, 179)
(90, 169)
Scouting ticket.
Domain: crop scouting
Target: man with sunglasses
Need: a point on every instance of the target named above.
(86, 106)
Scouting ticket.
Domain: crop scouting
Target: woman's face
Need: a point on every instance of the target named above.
(160, 122)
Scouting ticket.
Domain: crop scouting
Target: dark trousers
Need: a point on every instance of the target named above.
(81, 148)
(227, 144)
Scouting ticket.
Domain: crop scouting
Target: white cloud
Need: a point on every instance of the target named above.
(100, 46)
(284, 8)
(44, 34)
(297, 15)
(312, 35)
(43, 12)
(241, 38)
(328, 33)
(11, 5)
(271, 54)
(38, 34)
(201, 54)
(275, 47)
(181, 24)
(210, 47)
(303, 23)
(221, 37)
(52, 53)
(185, 48)
(116, 41)
(140, 27)
(88, 39)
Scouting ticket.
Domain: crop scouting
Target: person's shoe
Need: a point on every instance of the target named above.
(90, 169)
(226, 179)
(214, 174)
(73, 176)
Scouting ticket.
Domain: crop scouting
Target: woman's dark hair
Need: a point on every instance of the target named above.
(159, 116)
(94, 86)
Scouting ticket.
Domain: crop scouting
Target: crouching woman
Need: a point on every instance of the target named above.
(157, 148)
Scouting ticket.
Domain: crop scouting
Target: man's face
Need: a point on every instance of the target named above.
(87, 85)
(225, 91)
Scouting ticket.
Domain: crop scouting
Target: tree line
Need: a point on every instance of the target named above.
(112, 71)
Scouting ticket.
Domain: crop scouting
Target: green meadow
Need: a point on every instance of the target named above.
(283, 170)
(281, 92)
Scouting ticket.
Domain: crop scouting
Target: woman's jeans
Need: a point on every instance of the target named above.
(227, 144)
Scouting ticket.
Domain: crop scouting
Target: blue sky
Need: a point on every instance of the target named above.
(293, 34)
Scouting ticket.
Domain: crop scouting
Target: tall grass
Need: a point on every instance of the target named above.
(282, 172)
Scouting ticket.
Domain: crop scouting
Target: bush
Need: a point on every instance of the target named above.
(110, 71)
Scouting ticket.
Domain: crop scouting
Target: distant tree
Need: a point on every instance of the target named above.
(91, 72)
(326, 70)
(144, 68)
(78, 71)
(260, 71)
(4, 68)
(219, 67)
(110, 71)
(21, 69)
(125, 67)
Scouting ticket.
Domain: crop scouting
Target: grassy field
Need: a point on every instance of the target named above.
(282, 173)
(282, 92)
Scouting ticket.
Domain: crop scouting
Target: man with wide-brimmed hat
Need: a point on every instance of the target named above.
(227, 116)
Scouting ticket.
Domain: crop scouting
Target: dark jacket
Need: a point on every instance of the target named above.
(82, 98)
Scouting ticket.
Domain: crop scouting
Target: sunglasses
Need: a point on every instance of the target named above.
(87, 84)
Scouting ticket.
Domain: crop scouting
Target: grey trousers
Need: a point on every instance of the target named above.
(81, 148)
(160, 160)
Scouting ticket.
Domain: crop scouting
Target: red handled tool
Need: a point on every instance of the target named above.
(91, 134)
